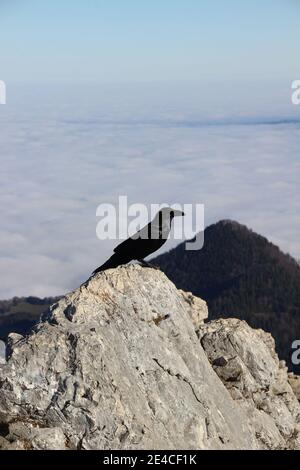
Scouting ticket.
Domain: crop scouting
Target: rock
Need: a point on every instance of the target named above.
(294, 381)
(12, 342)
(196, 308)
(28, 435)
(15, 445)
(117, 364)
(2, 352)
(49, 439)
(246, 362)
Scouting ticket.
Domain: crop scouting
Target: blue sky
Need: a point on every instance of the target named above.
(134, 40)
(170, 101)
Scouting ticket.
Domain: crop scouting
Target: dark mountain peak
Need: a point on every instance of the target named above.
(228, 225)
(231, 223)
(233, 233)
(19, 314)
(241, 274)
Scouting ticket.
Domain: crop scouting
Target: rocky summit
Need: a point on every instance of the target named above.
(127, 361)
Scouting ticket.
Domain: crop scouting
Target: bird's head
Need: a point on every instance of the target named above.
(168, 213)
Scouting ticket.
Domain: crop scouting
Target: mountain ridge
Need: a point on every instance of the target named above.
(240, 274)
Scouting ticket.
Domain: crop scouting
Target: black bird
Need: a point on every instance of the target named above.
(147, 240)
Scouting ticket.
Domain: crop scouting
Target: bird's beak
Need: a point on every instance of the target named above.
(178, 213)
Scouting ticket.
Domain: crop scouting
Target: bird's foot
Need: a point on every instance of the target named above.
(145, 264)
(154, 267)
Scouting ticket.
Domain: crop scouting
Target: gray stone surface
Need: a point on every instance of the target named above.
(118, 364)
(246, 362)
(2, 352)
(294, 381)
(24, 435)
(196, 307)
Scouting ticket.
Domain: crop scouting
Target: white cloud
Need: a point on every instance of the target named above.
(58, 163)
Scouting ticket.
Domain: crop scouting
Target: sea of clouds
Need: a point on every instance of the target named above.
(65, 151)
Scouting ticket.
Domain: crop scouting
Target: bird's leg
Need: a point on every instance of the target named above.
(145, 264)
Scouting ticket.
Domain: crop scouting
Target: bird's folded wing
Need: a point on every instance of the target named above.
(125, 246)
(129, 244)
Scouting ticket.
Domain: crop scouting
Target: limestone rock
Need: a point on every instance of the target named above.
(2, 352)
(246, 362)
(294, 381)
(28, 435)
(117, 364)
(196, 308)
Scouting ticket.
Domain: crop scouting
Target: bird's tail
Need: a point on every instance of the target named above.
(114, 261)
